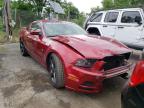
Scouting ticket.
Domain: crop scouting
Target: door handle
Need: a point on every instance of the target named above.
(120, 27)
(105, 26)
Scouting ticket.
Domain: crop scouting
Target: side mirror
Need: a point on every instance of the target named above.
(36, 32)
(138, 20)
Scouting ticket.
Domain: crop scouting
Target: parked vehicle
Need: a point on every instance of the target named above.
(125, 25)
(74, 59)
(133, 93)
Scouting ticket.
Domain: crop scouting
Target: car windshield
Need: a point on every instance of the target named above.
(54, 29)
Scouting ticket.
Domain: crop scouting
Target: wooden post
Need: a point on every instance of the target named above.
(7, 19)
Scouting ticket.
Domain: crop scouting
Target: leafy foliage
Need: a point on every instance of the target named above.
(117, 4)
(35, 8)
(1, 3)
(21, 5)
(111, 4)
(107, 4)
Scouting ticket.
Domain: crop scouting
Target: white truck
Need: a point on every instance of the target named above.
(125, 25)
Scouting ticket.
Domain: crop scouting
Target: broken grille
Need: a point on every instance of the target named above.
(114, 62)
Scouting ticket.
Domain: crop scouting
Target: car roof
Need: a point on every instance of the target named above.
(128, 9)
(124, 9)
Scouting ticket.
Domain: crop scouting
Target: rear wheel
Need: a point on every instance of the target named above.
(56, 71)
(141, 56)
(23, 49)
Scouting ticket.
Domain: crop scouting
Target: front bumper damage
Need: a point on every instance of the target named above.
(85, 81)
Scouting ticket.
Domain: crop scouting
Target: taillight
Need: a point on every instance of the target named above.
(137, 75)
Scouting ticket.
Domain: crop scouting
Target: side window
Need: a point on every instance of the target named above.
(130, 17)
(111, 17)
(35, 26)
(97, 17)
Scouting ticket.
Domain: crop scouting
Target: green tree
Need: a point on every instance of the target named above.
(21, 5)
(34, 5)
(73, 11)
(94, 9)
(122, 3)
(108, 4)
(112, 4)
(1, 3)
(33, 8)
(80, 20)
(137, 3)
(70, 10)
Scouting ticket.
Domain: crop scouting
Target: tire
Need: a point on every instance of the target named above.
(23, 50)
(125, 76)
(142, 54)
(56, 71)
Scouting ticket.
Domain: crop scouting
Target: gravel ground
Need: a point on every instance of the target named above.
(24, 84)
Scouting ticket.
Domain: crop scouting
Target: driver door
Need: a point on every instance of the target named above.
(33, 39)
(29, 39)
(39, 46)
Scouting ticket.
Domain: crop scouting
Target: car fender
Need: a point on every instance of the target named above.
(66, 54)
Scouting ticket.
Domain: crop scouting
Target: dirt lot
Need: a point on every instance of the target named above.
(24, 84)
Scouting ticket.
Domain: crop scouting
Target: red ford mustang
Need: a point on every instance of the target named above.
(74, 59)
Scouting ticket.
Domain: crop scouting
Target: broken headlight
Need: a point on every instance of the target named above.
(86, 63)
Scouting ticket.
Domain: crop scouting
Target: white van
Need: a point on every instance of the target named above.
(125, 25)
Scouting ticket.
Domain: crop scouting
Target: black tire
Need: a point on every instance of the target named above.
(23, 50)
(125, 76)
(56, 71)
(143, 54)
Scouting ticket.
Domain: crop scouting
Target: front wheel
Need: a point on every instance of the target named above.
(23, 49)
(143, 54)
(56, 71)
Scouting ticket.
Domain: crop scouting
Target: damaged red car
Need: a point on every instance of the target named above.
(73, 58)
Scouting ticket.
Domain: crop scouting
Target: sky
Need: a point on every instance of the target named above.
(86, 5)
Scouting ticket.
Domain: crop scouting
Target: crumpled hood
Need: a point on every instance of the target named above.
(93, 46)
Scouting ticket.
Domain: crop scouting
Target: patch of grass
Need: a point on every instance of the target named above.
(15, 37)
(2, 36)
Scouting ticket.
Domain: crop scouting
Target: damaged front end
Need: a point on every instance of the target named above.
(116, 61)
(116, 65)
(87, 75)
